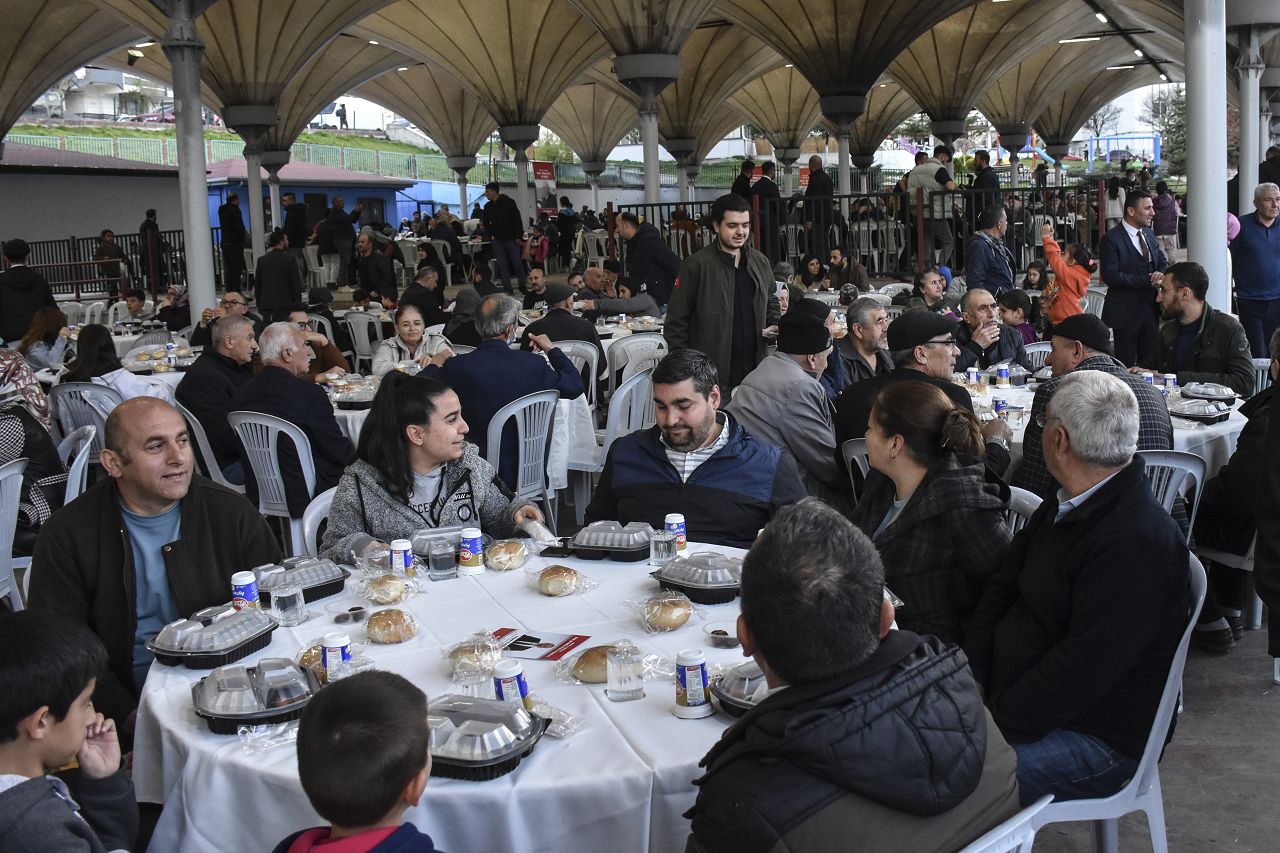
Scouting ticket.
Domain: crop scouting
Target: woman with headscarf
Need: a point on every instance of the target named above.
(174, 311)
(461, 328)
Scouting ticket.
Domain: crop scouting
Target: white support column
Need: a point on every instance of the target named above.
(463, 213)
(1249, 68)
(846, 181)
(257, 222)
(652, 175)
(682, 185)
(1206, 67)
(183, 48)
(648, 74)
(273, 162)
(460, 166)
(523, 189)
(789, 178)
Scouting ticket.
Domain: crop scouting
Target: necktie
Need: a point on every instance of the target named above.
(1146, 250)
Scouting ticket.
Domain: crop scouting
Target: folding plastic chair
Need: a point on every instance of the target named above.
(1142, 792)
(535, 416)
(260, 436)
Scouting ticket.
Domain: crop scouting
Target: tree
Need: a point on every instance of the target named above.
(1105, 118)
(1166, 110)
(552, 148)
(918, 129)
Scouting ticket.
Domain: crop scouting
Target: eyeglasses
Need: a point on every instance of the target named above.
(1042, 420)
(227, 303)
(949, 342)
(304, 325)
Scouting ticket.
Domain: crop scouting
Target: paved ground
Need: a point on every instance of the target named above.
(1221, 773)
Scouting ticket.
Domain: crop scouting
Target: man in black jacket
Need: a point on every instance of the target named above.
(986, 185)
(982, 340)
(818, 197)
(231, 225)
(212, 381)
(277, 279)
(280, 390)
(374, 271)
(1198, 343)
(295, 228)
(23, 292)
(561, 324)
(1074, 637)
(742, 184)
(880, 735)
(505, 226)
(651, 265)
(151, 543)
(421, 293)
(340, 233)
(771, 212)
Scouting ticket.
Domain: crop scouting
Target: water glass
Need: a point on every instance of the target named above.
(625, 667)
(473, 681)
(288, 606)
(442, 560)
(662, 547)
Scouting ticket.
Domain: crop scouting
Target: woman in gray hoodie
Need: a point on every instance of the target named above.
(414, 469)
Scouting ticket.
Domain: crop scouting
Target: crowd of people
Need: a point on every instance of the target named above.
(1020, 665)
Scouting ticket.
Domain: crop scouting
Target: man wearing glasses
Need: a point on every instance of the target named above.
(234, 304)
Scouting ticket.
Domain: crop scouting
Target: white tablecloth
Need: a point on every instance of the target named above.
(620, 783)
(48, 376)
(573, 435)
(1213, 442)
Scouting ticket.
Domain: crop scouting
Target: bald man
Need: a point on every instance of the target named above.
(150, 543)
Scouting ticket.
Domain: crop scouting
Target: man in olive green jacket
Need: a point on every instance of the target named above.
(724, 296)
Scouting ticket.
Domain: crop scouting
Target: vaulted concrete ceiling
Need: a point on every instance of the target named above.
(454, 118)
(517, 56)
(591, 118)
(841, 46)
(644, 26)
(42, 41)
(717, 62)
(720, 122)
(948, 68)
(782, 103)
(888, 105)
(1067, 112)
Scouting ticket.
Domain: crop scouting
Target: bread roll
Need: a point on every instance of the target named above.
(557, 580)
(386, 589)
(483, 655)
(391, 626)
(592, 665)
(311, 657)
(666, 613)
(505, 556)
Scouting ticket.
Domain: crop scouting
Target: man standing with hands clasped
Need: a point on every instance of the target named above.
(1132, 268)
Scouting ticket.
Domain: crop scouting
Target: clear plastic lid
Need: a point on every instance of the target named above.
(611, 534)
(1199, 408)
(474, 730)
(274, 686)
(744, 685)
(188, 635)
(421, 539)
(308, 573)
(705, 570)
(1208, 390)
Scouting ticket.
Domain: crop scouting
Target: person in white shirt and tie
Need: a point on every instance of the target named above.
(1132, 267)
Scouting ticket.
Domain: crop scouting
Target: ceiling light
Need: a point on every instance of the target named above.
(135, 53)
(1137, 53)
(1100, 17)
(1164, 78)
(403, 68)
(1118, 67)
(789, 65)
(882, 85)
(144, 44)
(371, 41)
(1079, 40)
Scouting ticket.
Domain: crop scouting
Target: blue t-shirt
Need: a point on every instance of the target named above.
(1255, 257)
(153, 600)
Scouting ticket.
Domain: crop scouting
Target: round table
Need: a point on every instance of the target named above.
(619, 783)
(50, 377)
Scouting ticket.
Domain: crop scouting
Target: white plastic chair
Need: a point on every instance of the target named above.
(445, 254)
(80, 404)
(260, 436)
(1015, 835)
(72, 450)
(1094, 299)
(1142, 792)
(584, 355)
(317, 511)
(1167, 471)
(460, 349)
(893, 312)
(1022, 505)
(331, 265)
(1253, 604)
(1038, 354)
(118, 313)
(10, 493)
(854, 452)
(203, 451)
(315, 272)
(320, 323)
(74, 312)
(626, 415)
(155, 338)
(1261, 374)
(366, 332)
(625, 349)
(535, 416)
(94, 312)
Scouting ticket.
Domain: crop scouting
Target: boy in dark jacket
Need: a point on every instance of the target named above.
(49, 669)
(357, 777)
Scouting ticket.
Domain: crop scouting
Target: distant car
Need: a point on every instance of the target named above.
(164, 117)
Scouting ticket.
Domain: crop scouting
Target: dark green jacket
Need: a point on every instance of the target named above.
(1220, 354)
(700, 313)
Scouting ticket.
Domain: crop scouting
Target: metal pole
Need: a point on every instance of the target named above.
(1206, 66)
(257, 222)
(183, 48)
(649, 133)
(1249, 68)
(463, 213)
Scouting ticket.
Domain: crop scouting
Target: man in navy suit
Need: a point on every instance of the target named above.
(494, 374)
(1132, 269)
(280, 390)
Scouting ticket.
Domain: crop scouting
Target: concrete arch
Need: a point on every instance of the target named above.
(782, 104)
(591, 118)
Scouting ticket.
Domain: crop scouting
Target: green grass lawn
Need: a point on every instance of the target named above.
(142, 131)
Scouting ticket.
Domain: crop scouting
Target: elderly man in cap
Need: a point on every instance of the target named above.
(561, 324)
(1082, 342)
(782, 401)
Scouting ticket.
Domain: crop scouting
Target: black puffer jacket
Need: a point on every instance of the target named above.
(896, 755)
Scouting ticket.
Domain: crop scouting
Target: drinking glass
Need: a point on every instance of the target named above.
(625, 667)
(288, 606)
(662, 547)
(442, 560)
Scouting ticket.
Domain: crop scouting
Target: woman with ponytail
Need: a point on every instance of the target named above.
(930, 509)
(414, 469)
(1064, 296)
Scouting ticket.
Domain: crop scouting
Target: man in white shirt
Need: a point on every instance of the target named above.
(1132, 268)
